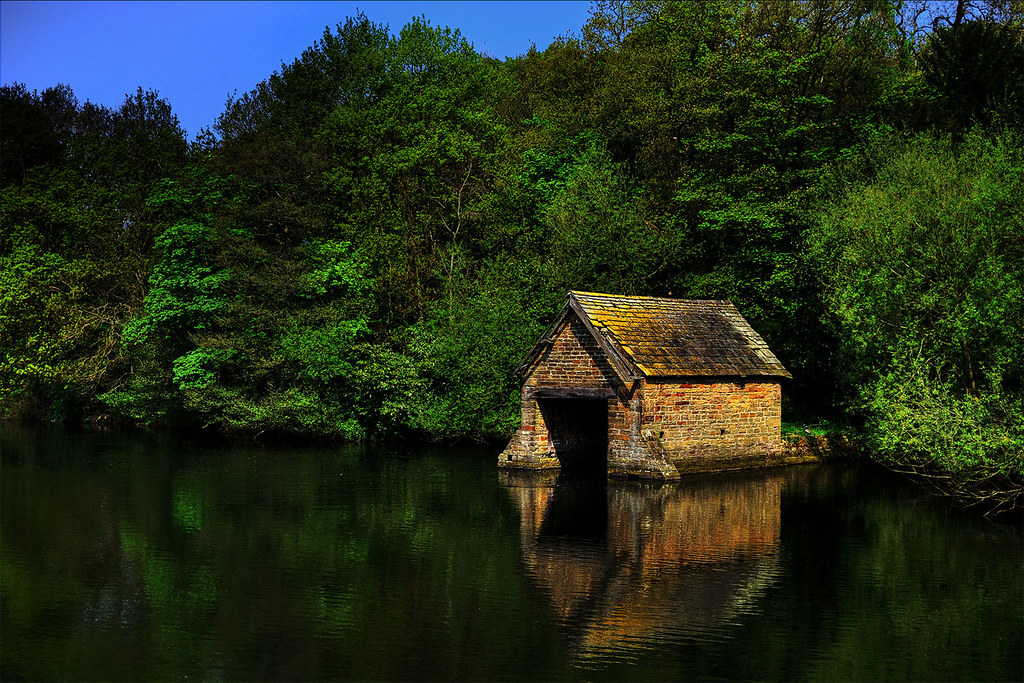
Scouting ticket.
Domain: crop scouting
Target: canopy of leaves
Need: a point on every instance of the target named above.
(925, 272)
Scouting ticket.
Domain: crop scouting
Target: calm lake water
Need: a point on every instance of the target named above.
(142, 558)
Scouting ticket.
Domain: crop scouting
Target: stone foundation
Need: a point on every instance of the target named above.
(633, 451)
(530, 447)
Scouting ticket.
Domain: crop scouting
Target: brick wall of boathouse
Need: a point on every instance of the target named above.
(699, 420)
(654, 426)
(692, 413)
(566, 427)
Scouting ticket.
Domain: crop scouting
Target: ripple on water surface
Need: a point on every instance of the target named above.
(128, 558)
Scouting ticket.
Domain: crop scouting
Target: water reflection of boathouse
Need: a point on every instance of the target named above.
(630, 566)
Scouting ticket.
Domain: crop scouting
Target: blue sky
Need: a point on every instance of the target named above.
(197, 53)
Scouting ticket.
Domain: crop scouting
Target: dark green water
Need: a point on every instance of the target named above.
(127, 557)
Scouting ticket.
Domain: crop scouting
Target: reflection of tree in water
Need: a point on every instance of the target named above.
(629, 567)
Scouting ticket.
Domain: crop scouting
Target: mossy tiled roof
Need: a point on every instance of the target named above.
(679, 337)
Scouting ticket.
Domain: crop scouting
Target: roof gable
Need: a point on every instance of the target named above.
(660, 337)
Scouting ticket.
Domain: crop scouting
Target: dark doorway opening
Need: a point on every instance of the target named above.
(578, 430)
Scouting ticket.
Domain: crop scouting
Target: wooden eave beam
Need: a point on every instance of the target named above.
(569, 392)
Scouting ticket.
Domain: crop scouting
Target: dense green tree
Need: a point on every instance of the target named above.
(925, 264)
(76, 236)
(35, 128)
(977, 69)
(729, 114)
(423, 168)
(464, 354)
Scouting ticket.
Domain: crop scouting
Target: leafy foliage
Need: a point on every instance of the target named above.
(76, 239)
(926, 269)
(977, 69)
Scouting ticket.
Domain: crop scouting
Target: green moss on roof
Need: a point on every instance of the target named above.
(679, 337)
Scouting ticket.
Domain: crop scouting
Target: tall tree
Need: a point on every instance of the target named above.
(925, 273)
(75, 238)
(731, 112)
(977, 69)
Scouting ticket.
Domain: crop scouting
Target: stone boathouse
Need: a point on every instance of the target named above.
(656, 386)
